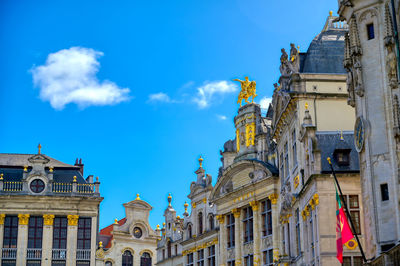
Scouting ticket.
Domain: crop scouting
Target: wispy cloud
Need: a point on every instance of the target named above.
(159, 97)
(206, 94)
(69, 76)
(264, 102)
(221, 117)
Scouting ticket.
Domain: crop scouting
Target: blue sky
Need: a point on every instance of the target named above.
(139, 89)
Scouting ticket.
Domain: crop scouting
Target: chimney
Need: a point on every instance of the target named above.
(80, 165)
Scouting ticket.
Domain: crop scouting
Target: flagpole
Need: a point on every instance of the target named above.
(347, 211)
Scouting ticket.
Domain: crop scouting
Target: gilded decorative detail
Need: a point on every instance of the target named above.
(254, 205)
(247, 196)
(316, 199)
(100, 252)
(73, 220)
(248, 90)
(296, 181)
(48, 219)
(238, 262)
(221, 218)
(23, 219)
(194, 205)
(250, 134)
(2, 217)
(237, 140)
(236, 212)
(276, 254)
(200, 246)
(205, 200)
(273, 198)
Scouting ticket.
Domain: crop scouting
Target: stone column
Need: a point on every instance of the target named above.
(72, 239)
(221, 253)
(93, 245)
(238, 239)
(22, 241)
(256, 233)
(275, 225)
(47, 243)
(2, 217)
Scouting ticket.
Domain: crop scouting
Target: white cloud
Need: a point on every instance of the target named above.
(264, 102)
(206, 93)
(221, 117)
(69, 76)
(160, 97)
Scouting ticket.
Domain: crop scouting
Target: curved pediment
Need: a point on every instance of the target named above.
(240, 174)
(139, 204)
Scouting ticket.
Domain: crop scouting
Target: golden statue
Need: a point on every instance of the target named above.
(248, 90)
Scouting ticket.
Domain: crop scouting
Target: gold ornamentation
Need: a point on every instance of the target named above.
(201, 162)
(237, 140)
(100, 253)
(221, 218)
(236, 212)
(51, 169)
(158, 227)
(248, 90)
(25, 168)
(115, 221)
(296, 181)
(351, 244)
(73, 220)
(204, 200)
(201, 246)
(39, 148)
(250, 134)
(316, 199)
(2, 217)
(74, 179)
(1, 176)
(238, 262)
(194, 205)
(273, 198)
(23, 219)
(137, 197)
(186, 205)
(254, 205)
(48, 219)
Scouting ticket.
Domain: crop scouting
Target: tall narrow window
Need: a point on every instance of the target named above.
(231, 263)
(211, 222)
(354, 209)
(176, 250)
(59, 240)
(84, 241)
(268, 258)
(288, 236)
(189, 230)
(10, 237)
(385, 192)
(311, 228)
(249, 260)
(281, 166)
(189, 258)
(145, 259)
(35, 238)
(286, 160)
(200, 223)
(266, 218)
(248, 224)
(211, 255)
(127, 258)
(370, 31)
(169, 248)
(294, 148)
(200, 257)
(230, 228)
(298, 245)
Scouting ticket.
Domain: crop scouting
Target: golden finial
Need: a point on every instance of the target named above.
(74, 179)
(158, 227)
(39, 148)
(163, 224)
(341, 135)
(178, 217)
(329, 160)
(25, 168)
(51, 168)
(298, 48)
(306, 106)
(100, 244)
(1, 176)
(331, 13)
(97, 179)
(169, 199)
(137, 197)
(201, 162)
(115, 221)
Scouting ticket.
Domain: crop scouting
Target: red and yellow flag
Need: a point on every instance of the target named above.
(343, 231)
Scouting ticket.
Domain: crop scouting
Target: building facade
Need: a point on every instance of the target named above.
(371, 61)
(48, 211)
(131, 240)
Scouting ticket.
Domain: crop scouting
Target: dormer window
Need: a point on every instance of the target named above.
(342, 157)
(189, 229)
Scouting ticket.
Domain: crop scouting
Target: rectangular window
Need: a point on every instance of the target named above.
(311, 228)
(286, 160)
(200, 257)
(176, 249)
(281, 166)
(248, 224)
(60, 233)
(294, 148)
(370, 31)
(163, 254)
(385, 192)
(266, 218)
(230, 228)
(354, 209)
(211, 255)
(352, 261)
(189, 258)
(35, 232)
(288, 235)
(248, 260)
(84, 233)
(231, 263)
(268, 258)
(10, 232)
(298, 245)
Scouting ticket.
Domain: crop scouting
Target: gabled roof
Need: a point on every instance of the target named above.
(106, 235)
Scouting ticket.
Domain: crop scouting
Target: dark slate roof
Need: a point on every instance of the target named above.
(16, 159)
(328, 143)
(269, 166)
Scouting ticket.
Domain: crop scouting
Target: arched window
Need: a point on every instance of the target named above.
(145, 259)
(127, 258)
(189, 229)
(211, 222)
(169, 249)
(108, 263)
(200, 222)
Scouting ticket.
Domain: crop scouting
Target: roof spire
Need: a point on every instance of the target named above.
(169, 200)
(201, 162)
(137, 197)
(39, 148)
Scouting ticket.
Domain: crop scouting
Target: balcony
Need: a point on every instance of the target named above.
(83, 254)
(59, 254)
(9, 253)
(34, 253)
(12, 186)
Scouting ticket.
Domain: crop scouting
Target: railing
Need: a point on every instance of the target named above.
(34, 253)
(85, 188)
(12, 186)
(59, 254)
(62, 188)
(9, 253)
(83, 254)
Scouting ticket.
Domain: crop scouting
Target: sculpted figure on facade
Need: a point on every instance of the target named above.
(294, 58)
(357, 76)
(391, 59)
(284, 67)
(248, 90)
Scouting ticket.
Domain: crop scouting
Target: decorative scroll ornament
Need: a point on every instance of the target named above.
(248, 90)
(250, 134)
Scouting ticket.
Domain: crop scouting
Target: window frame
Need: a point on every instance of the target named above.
(354, 211)
(200, 257)
(61, 231)
(266, 216)
(248, 230)
(230, 228)
(11, 227)
(268, 257)
(35, 232)
(85, 229)
(211, 256)
(189, 259)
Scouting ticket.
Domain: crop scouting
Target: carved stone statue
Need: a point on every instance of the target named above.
(357, 77)
(350, 88)
(284, 68)
(294, 58)
(391, 66)
(248, 90)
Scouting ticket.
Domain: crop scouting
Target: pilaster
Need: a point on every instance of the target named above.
(47, 242)
(22, 241)
(72, 238)
(2, 217)
(275, 225)
(256, 232)
(238, 240)
(221, 258)
(93, 245)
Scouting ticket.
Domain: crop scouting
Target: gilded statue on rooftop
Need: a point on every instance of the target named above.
(248, 90)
